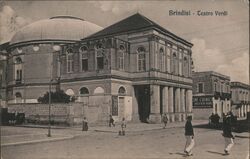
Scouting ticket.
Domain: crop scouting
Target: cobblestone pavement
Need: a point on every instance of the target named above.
(155, 143)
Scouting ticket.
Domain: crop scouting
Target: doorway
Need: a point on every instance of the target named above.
(142, 94)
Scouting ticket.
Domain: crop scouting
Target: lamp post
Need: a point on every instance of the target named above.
(56, 48)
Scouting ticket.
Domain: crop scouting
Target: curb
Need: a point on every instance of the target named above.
(113, 131)
(37, 141)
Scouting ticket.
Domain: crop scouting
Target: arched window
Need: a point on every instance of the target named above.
(141, 59)
(162, 59)
(99, 90)
(18, 95)
(122, 91)
(70, 56)
(84, 91)
(18, 60)
(70, 92)
(83, 48)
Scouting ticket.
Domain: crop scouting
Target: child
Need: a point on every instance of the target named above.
(111, 121)
(84, 124)
(123, 126)
(165, 120)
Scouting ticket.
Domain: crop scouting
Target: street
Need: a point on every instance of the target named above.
(160, 143)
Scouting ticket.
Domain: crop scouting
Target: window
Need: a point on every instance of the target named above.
(84, 61)
(215, 87)
(141, 59)
(18, 60)
(18, 69)
(84, 64)
(70, 60)
(84, 91)
(18, 96)
(100, 63)
(83, 49)
(19, 75)
(121, 61)
(185, 66)
(175, 64)
(121, 57)
(121, 91)
(162, 59)
(200, 88)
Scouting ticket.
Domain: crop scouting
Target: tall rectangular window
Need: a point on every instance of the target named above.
(142, 62)
(100, 63)
(200, 88)
(70, 62)
(84, 64)
(121, 61)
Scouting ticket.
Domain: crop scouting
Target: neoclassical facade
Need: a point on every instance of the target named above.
(240, 99)
(134, 68)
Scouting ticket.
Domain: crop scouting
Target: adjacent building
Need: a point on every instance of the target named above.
(240, 99)
(3, 74)
(211, 94)
(134, 68)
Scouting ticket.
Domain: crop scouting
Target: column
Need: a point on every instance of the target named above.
(177, 103)
(182, 106)
(155, 116)
(170, 103)
(165, 99)
(189, 101)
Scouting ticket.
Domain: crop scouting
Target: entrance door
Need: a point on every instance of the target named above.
(121, 108)
(142, 93)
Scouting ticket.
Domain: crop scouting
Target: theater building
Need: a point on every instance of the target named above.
(134, 68)
(211, 94)
(240, 99)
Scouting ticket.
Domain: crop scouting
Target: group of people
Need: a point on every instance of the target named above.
(189, 132)
(227, 134)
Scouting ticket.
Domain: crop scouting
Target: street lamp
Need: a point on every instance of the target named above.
(56, 48)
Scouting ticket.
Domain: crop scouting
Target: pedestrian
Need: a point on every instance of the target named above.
(123, 126)
(189, 134)
(165, 120)
(227, 134)
(111, 121)
(85, 124)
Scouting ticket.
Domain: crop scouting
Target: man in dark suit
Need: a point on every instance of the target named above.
(189, 133)
(227, 133)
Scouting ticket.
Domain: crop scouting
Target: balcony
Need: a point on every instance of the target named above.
(18, 81)
(222, 95)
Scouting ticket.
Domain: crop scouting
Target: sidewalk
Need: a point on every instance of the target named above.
(28, 134)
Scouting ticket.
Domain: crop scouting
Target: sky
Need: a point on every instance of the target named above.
(221, 43)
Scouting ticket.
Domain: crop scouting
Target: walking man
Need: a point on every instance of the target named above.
(227, 133)
(189, 133)
(165, 120)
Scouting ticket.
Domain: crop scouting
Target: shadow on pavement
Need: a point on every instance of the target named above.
(218, 153)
